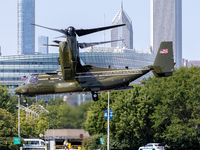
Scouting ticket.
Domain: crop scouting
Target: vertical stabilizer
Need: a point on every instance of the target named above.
(164, 62)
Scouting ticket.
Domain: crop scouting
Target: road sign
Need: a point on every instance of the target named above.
(101, 140)
(111, 114)
(105, 114)
(17, 140)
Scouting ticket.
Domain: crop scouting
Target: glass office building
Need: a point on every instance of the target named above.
(43, 45)
(26, 31)
(14, 68)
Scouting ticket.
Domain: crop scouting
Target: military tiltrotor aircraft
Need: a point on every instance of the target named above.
(75, 78)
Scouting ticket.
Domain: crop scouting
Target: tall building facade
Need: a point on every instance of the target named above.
(166, 25)
(125, 32)
(26, 31)
(43, 49)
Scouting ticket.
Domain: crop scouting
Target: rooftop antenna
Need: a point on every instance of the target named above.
(121, 4)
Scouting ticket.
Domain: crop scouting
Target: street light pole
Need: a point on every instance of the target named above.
(108, 123)
(19, 115)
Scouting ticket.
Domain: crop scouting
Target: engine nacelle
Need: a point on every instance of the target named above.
(67, 63)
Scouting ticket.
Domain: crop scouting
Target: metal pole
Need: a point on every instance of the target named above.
(19, 115)
(108, 123)
(53, 133)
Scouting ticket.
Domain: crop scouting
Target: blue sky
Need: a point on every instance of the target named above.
(90, 14)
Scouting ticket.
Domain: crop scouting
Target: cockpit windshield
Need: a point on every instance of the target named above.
(82, 62)
(33, 79)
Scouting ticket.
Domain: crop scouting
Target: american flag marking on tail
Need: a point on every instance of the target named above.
(163, 51)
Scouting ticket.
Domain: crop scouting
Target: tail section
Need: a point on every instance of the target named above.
(164, 62)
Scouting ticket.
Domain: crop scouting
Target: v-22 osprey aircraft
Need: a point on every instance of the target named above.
(75, 78)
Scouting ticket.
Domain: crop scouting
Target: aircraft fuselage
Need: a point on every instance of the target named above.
(91, 79)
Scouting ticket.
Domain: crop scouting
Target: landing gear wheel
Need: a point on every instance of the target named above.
(94, 96)
(24, 100)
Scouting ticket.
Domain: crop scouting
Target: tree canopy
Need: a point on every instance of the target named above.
(60, 116)
(162, 110)
(63, 116)
(8, 130)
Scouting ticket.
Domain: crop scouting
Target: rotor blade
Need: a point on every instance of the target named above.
(63, 36)
(58, 30)
(81, 32)
(51, 45)
(56, 41)
(84, 45)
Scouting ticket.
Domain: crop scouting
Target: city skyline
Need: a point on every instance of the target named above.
(62, 17)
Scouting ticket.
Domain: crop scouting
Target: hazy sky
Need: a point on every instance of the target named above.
(61, 14)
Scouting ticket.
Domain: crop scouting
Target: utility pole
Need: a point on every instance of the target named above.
(104, 32)
(19, 115)
(108, 130)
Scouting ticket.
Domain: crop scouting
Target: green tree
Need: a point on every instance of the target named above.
(62, 116)
(31, 126)
(124, 125)
(66, 117)
(8, 130)
(41, 102)
(55, 102)
(176, 118)
(52, 116)
(81, 114)
(6, 100)
(161, 110)
(27, 125)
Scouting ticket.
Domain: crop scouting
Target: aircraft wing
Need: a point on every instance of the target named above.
(87, 92)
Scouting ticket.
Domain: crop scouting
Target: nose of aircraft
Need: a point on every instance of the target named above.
(20, 90)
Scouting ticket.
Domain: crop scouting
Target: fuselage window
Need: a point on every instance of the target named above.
(33, 79)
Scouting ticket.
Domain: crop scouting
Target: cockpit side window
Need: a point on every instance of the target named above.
(33, 79)
(27, 80)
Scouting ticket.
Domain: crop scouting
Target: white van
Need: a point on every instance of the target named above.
(33, 144)
(153, 146)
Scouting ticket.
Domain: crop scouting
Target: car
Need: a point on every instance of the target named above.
(152, 146)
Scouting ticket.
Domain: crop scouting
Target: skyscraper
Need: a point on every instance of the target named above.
(166, 25)
(26, 31)
(125, 32)
(43, 49)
